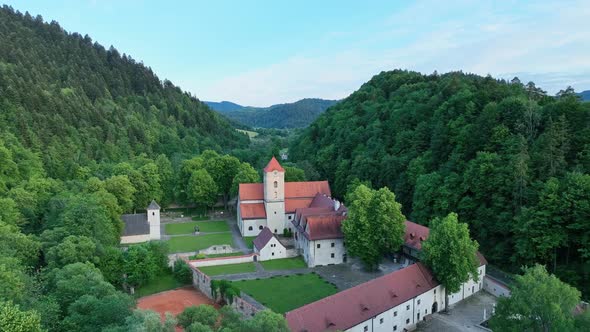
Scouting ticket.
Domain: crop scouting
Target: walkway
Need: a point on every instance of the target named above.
(237, 237)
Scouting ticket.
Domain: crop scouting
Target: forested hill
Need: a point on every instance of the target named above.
(510, 160)
(76, 102)
(291, 115)
(585, 95)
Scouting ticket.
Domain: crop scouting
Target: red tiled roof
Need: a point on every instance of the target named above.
(325, 227)
(322, 200)
(355, 305)
(262, 239)
(292, 204)
(416, 233)
(306, 189)
(252, 211)
(251, 191)
(273, 165)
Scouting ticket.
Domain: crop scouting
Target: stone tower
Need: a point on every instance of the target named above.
(153, 218)
(274, 195)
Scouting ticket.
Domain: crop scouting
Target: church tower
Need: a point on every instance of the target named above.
(153, 218)
(274, 195)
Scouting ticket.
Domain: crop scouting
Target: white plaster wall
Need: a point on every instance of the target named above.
(222, 260)
(289, 222)
(273, 250)
(495, 288)
(255, 223)
(323, 254)
(275, 216)
(135, 238)
(270, 190)
(467, 287)
(153, 217)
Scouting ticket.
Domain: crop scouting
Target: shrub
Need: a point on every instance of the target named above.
(182, 272)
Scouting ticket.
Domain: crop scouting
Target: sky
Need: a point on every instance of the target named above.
(260, 53)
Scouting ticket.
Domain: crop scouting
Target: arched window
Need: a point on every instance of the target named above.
(276, 184)
(250, 228)
(153, 213)
(260, 227)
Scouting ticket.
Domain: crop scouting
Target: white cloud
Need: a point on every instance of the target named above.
(544, 43)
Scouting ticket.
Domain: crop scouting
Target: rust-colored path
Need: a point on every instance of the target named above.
(173, 301)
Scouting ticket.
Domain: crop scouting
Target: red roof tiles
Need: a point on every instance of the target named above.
(324, 227)
(252, 211)
(273, 165)
(251, 191)
(355, 305)
(292, 204)
(307, 189)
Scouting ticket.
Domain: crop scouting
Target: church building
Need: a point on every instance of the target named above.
(273, 203)
(142, 227)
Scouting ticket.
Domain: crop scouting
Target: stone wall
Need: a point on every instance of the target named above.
(495, 287)
(222, 260)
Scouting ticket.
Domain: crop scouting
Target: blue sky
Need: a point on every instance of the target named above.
(265, 52)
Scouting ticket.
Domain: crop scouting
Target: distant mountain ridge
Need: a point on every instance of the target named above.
(289, 115)
(585, 95)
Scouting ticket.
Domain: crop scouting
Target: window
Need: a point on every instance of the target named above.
(408, 307)
(153, 213)
(419, 302)
(435, 292)
(366, 328)
(332, 245)
(332, 255)
(274, 254)
(380, 320)
(418, 317)
(276, 184)
(408, 321)
(250, 228)
(290, 217)
(318, 246)
(395, 314)
(395, 327)
(260, 227)
(275, 212)
(275, 230)
(425, 311)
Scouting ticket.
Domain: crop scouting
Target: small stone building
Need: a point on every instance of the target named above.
(268, 247)
(142, 227)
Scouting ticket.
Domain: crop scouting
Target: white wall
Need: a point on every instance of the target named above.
(323, 254)
(495, 287)
(469, 288)
(153, 217)
(272, 250)
(255, 224)
(135, 238)
(275, 216)
(222, 260)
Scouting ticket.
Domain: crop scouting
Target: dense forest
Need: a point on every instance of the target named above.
(512, 161)
(291, 115)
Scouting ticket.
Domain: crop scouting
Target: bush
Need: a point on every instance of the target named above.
(198, 256)
(204, 314)
(182, 272)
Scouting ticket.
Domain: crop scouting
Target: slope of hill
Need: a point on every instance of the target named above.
(585, 95)
(291, 115)
(512, 163)
(66, 96)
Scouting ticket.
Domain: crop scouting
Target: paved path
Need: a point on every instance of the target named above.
(237, 237)
(464, 316)
(262, 274)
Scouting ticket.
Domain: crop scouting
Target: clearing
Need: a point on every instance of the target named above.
(228, 269)
(284, 264)
(194, 243)
(285, 293)
(204, 226)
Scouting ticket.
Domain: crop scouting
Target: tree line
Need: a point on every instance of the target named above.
(512, 161)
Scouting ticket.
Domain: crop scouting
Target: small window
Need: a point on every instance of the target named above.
(418, 318)
(275, 230)
(332, 255)
(153, 213)
(250, 228)
(275, 212)
(408, 321)
(419, 302)
(366, 328)
(274, 254)
(380, 320)
(290, 217)
(408, 307)
(332, 244)
(260, 227)
(435, 292)
(276, 184)
(395, 327)
(318, 246)
(395, 314)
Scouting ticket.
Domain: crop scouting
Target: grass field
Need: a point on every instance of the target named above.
(250, 134)
(204, 226)
(249, 241)
(282, 294)
(284, 264)
(159, 284)
(228, 269)
(194, 243)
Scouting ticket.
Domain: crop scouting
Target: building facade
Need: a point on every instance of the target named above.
(142, 227)
(268, 247)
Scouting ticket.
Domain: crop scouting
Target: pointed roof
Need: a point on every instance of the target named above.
(273, 165)
(262, 239)
(153, 206)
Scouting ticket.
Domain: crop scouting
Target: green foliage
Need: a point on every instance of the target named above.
(73, 249)
(91, 313)
(144, 262)
(145, 321)
(375, 225)
(15, 320)
(203, 314)
(122, 188)
(267, 320)
(182, 272)
(225, 289)
(450, 253)
(539, 301)
(475, 145)
(246, 174)
(202, 188)
(294, 174)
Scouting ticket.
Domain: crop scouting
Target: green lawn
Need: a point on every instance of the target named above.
(249, 241)
(218, 255)
(284, 264)
(195, 243)
(200, 218)
(228, 269)
(204, 226)
(161, 283)
(282, 294)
